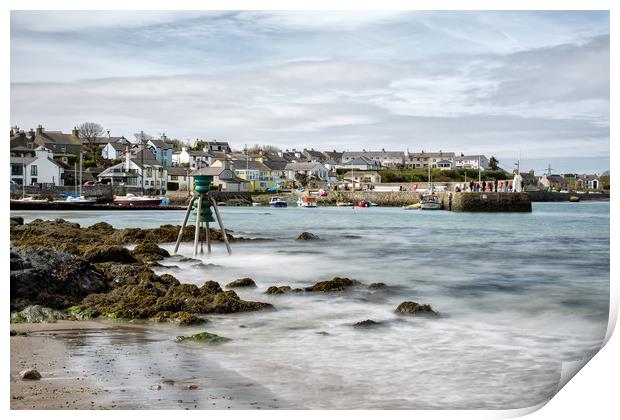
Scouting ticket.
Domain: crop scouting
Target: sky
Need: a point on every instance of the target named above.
(533, 84)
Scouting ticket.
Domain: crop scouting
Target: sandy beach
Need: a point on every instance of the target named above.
(108, 381)
(61, 387)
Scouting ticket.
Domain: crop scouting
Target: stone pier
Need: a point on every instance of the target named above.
(487, 201)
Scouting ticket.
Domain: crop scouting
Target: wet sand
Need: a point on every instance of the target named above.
(104, 365)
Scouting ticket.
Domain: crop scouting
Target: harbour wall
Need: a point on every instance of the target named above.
(487, 201)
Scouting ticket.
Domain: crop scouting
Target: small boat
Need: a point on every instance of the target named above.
(76, 199)
(343, 204)
(322, 193)
(277, 202)
(307, 201)
(29, 200)
(373, 204)
(430, 202)
(415, 206)
(363, 203)
(257, 204)
(137, 200)
(574, 199)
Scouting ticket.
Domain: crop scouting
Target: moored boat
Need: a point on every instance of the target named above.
(343, 204)
(135, 200)
(76, 199)
(277, 202)
(30, 200)
(430, 202)
(415, 206)
(307, 201)
(574, 199)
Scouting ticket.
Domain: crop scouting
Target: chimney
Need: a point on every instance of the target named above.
(75, 132)
(127, 158)
(31, 133)
(226, 164)
(39, 130)
(108, 133)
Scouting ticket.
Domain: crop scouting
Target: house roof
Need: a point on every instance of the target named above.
(302, 166)
(381, 154)
(209, 170)
(161, 144)
(252, 165)
(119, 147)
(432, 154)
(198, 153)
(22, 160)
(147, 162)
(362, 160)
(276, 166)
(470, 157)
(177, 170)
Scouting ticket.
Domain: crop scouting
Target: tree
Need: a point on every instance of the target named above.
(88, 132)
(302, 178)
(493, 163)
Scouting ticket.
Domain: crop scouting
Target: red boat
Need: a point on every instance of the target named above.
(363, 203)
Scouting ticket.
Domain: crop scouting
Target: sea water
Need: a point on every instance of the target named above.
(518, 294)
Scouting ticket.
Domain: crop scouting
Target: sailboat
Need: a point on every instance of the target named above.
(430, 201)
(77, 198)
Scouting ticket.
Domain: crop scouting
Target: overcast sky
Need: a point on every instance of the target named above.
(496, 83)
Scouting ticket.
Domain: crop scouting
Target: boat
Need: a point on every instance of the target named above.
(574, 199)
(76, 199)
(363, 203)
(257, 204)
(136, 200)
(430, 202)
(373, 204)
(343, 204)
(307, 201)
(29, 200)
(277, 202)
(415, 206)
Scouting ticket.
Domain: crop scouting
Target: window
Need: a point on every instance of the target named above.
(149, 172)
(16, 170)
(174, 177)
(33, 181)
(33, 170)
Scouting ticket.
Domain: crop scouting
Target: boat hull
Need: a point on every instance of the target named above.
(129, 202)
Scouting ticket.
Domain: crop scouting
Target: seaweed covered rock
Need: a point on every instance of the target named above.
(244, 282)
(278, 290)
(229, 302)
(307, 236)
(337, 284)
(30, 374)
(101, 228)
(374, 286)
(108, 253)
(368, 323)
(37, 314)
(414, 308)
(203, 337)
(149, 251)
(123, 274)
(210, 287)
(181, 317)
(51, 278)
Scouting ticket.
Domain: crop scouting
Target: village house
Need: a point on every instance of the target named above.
(192, 158)
(218, 147)
(38, 169)
(178, 178)
(312, 155)
(554, 181)
(362, 180)
(256, 173)
(441, 160)
(310, 169)
(361, 163)
(386, 159)
(137, 173)
(57, 142)
(115, 150)
(161, 150)
(471, 162)
(224, 177)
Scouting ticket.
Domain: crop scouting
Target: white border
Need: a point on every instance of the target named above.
(591, 395)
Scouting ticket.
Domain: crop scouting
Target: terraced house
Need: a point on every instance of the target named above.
(256, 173)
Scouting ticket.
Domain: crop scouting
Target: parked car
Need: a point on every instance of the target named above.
(90, 183)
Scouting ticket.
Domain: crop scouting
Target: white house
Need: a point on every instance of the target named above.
(471, 162)
(224, 178)
(178, 178)
(136, 173)
(360, 163)
(191, 157)
(308, 168)
(40, 169)
(115, 150)
(424, 159)
(385, 158)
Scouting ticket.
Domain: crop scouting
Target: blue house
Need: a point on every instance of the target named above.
(162, 151)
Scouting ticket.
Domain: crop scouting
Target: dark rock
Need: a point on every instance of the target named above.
(210, 288)
(203, 337)
(108, 253)
(149, 251)
(377, 286)
(244, 282)
(278, 290)
(369, 323)
(50, 278)
(307, 236)
(337, 284)
(101, 227)
(182, 318)
(17, 220)
(30, 374)
(413, 308)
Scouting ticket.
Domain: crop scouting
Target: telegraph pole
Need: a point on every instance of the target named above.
(142, 160)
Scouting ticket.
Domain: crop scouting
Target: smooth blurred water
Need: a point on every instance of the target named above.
(518, 294)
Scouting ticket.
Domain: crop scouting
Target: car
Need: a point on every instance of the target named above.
(90, 183)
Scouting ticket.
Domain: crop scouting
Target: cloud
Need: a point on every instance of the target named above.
(465, 81)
